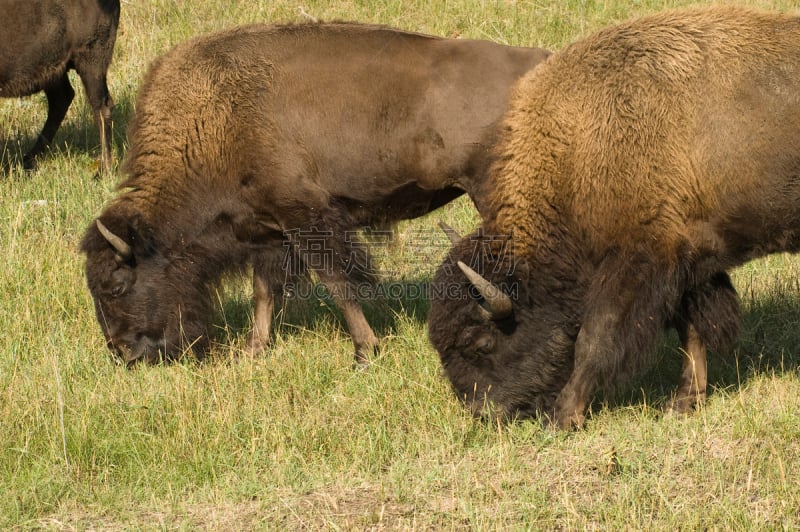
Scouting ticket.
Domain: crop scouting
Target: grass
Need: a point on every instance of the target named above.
(296, 439)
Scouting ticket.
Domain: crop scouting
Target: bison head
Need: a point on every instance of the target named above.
(150, 305)
(505, 333)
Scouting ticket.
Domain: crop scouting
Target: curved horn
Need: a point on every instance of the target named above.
(498, 303)
(451, 233)
(124, 251)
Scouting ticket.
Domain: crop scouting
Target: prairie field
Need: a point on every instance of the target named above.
(295, 438)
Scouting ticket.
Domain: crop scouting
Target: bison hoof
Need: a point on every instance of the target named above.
(28, 163)
(360, 363)
(255, 346)
(684, 404)
(363, 355)
(567, 421)
(573, 422)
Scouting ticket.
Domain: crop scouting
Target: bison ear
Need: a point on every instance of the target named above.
(143, 237)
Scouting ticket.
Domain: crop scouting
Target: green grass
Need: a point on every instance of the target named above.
(295, 438)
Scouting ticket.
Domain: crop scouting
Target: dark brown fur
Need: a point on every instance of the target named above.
(633, 169)
(42, 41)
(286, 130)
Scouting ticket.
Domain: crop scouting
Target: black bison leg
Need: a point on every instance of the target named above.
(264, 304)
(59, 96)
(330, 253)
(271, 269)
(630, 299)
(593, 344)
(94, 82)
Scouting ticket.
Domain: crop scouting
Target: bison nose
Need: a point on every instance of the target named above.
(129, 351)
(132, 356)
(146, 349)
(122, 353)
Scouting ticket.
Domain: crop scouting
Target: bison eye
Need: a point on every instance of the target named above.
(121, 280)
(484, 344)
(118, 290)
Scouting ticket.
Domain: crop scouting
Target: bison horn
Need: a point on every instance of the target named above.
(451, 233)
(498, 303)
(124, 251)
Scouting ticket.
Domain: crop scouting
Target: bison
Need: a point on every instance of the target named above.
(267, 144)
(632, 170)
(42, 41)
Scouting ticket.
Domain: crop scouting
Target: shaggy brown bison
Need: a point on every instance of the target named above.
(42, 41)
(632, 170)
(289, 138)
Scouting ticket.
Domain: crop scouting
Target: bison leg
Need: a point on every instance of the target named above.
(709, 318)
(694, 376)
(267, 290)
(364, 339)
(593, 344)
(94, 82)
(59, 97)
(264, 304)
(339, 265)
(629, 300)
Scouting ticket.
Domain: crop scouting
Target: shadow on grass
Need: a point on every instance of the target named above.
(77, 131)
(395, 299)
(769, 341)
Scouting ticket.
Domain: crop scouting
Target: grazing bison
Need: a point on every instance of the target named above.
(42, 41)
(632, 170)
(289, 138)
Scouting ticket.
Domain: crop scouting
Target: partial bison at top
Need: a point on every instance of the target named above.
(41, 41)
(632, 170)
(249, 143)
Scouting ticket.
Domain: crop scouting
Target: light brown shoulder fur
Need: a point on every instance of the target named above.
(614, 124)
